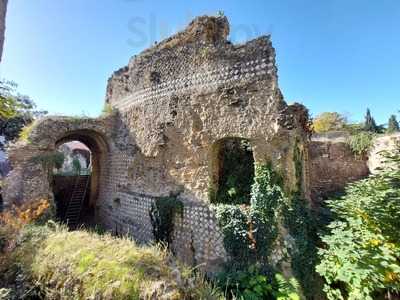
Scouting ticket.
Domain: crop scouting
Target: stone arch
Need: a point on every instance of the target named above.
(99, 148)
(29, 180)
(222, 167)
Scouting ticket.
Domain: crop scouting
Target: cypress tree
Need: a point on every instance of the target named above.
(370, 124)
(393, 125)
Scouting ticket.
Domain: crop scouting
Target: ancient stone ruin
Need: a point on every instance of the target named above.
(175, 106)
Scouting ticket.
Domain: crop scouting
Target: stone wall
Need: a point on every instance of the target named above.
(333, 165)
(384, 143)
(173, 103)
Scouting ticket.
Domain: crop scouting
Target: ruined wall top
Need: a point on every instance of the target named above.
(198, 57)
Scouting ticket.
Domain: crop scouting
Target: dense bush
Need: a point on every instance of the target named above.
(251, 236)
(360, 143)
(361, 259)
(254, 283)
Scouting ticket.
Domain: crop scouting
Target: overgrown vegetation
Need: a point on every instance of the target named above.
(361, 259)
(255, 283)
(252, 235)
(360, 143)
(236, 170)
(52, 263)
(49, 161)
(162, 214)
(16, 111)
(107, 110)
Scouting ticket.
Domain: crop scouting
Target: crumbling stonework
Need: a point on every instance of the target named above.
(332, 165)
(174, 103)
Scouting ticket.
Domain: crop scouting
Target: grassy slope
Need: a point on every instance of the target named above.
(85, 265)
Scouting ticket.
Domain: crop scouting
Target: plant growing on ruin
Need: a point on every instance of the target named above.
(361, 142)
(107, 110)
(162, 215)
(49, 161)
(251, 232)
(237, 172)
(361, 257)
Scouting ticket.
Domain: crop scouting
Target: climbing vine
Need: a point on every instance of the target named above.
(301, 225)
(252, 232)
(162, 215)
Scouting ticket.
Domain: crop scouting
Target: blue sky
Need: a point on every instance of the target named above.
(332, 55)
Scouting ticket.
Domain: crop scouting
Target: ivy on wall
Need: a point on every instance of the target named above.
(301, 226)
(252, 232)
(162, 215)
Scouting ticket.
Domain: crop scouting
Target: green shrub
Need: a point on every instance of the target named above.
(360, 143)
(361, 259)
(237, 172)
(254, 283)
(252, 233)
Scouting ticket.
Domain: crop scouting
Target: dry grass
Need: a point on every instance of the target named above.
(59, 264)
(82, 265)
(85, 265)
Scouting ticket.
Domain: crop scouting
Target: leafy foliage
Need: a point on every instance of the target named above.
(16, 111)
(237, 172)
(234, 223)
(393, 125)
(360, 143)
(267, 200)
(361, 259)
(254, 283)
(49, 161)
(329, 121)
(251, 232)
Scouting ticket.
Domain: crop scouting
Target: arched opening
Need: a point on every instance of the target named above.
(232, 171)
(76, 180)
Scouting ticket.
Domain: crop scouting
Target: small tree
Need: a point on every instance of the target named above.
(328, 121)
(370, 124)
(393, 125)
(16, 110)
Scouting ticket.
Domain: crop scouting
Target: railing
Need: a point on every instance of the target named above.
(81, 172)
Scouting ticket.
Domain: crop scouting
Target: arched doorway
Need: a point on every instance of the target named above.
(232, 171)
(76, 183)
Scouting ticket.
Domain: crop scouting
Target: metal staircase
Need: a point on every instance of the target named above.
(77, 200)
